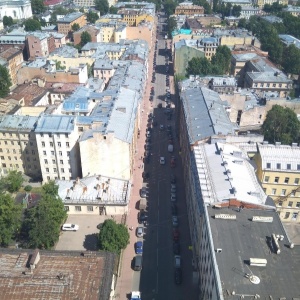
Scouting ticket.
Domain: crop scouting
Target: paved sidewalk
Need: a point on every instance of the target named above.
(124, 283)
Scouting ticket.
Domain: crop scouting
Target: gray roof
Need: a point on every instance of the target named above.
(55, 124)
(205, 114)
(70, 17)
(15, 122)
(242, 239)
(65, 51)
(244, 56)
(289, 40)
(269, 77)
(272, 19)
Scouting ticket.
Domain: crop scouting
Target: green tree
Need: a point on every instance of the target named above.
(41, 226)
(222, 59)
(113, 237)
(236, 10)
(281, 125)
(8, 21)
(32, 25)
(169, 6)
(37, 6)
(5, 82)
(92, 17)
(75, 27)
(113, 10)
(13, 181)
(85, 38)
(172, 25)
(242, 23)
(10, 219)
(198, 66)
(291, 61)
(102, 6)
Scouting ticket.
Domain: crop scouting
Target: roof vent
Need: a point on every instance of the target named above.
(259, 262)
(262, 219)
(225, 216)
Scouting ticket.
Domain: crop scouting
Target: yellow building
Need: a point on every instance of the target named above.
(278, 169)
(187, 8)
(133, 17)
(64, 25)
(262, 3)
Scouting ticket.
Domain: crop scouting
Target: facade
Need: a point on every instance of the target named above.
(20, 9)
(133, 17)
(64, 25)
(18, 145)
(261, 3)
(294, 10)
(91, 274)
(247, 12)
(39, 44)
(14, 39)
(187, 8)
(95, 195)
(13, 58)
(56, 137)
(241, 3)
(84, 3)
(278, 169)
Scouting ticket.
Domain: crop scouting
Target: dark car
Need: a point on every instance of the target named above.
(173, 178)
(143, 192)
(174, 209)
(178, 276)
(173, 162)
(151, 98)
(176, 248)
(142, 217)
(175, 234)
(146, 175)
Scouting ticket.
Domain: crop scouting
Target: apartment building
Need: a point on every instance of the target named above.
(278, 169)
(19, 10)
(133, 17)
(262, 3)
(292, 9)
(64, 25)
(18, 146)
(187, 8)
(13, 59)
(84, 3)
(39, 44)
(56, 137)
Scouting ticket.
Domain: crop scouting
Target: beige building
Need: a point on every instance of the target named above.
(187, 8)
(278, 168)
(18, 146)
(13, 59)
(64, 25)
(262, 3)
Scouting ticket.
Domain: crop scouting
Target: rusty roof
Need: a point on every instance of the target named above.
(60, 275)
(10, 53)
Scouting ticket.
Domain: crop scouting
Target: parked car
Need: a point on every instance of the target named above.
(175, 234)
(143, 192)
(173, 179)
(173, 162)
(162, 160)
(176, 248)
(161, 127)
(70, 227)
(174, 209)
(178, 276)
(139, 247)
(142, 217)
(140, 231)
(173, 189)
(175, 221)
(173, 197)
(177, 261)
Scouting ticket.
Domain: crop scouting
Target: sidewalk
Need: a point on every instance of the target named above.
(124, 282)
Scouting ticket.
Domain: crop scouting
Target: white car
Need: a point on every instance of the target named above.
(140, 231)
(177, 260)
(161, 127)
(70, 227)
(175, 221)
(162, 161)
(173, 197)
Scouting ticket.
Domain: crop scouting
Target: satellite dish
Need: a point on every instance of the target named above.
(254, 279)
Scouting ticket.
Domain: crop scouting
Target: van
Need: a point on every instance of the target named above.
(138, 261)
(170, 148)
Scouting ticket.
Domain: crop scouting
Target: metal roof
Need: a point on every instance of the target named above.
(205, 114)
(15, 122)
(70, 17)
(55, 124)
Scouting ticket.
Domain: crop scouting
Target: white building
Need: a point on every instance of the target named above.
(56, 137)
(97, 195)
(17, 9)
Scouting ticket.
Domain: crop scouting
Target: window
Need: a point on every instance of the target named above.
(53, 161)
(67, 144)
(298, 204)
(296, 181)
(44, 152)
(42, 135)
(3, 165)
(273, 191)
(60, 153)
(283, 192)
(52, 152)
(280, 203)
(12, 142)
(77, 208)
(68, 153)
(62, 170)
(63, 178)
(286, 180)
(276, 180)
(278, 166)
(46, 161)
(67, 208)
(51, 144)
(267, 178)
(290, 204)
(61, 161)
(292, 194)
(288, 166)
(43, 144)
(54, 170)
(287, 215)
(268, 165)
(59, 144)
(47, 170)
(90, 208)
(66, 135)
(48, 177)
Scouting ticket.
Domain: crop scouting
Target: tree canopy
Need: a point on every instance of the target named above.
(38, 6)
(102, 6)
(41, 226)
(75, 27)
(8, 21)
(169, 6)
(32, 25)
(85, 38)
(281, 125)
(92, 17)
(113, 237)
(172, 24)
(205, 4)
(5, 82)
(113, 10)
(10, 219)
(12, 181)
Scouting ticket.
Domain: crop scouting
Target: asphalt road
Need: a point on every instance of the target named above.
(157, 276)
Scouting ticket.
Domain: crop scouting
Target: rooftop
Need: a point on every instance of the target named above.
(285, 155)
(15, 122)
(290, 40)
(204, 113)
(225, 172)
(10, 53)
(272, 19)
(94, 190)
(57, 274)
(242, 239)
(55, 124)
(70, 17)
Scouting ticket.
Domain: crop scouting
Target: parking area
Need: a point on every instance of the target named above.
(86, 237)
